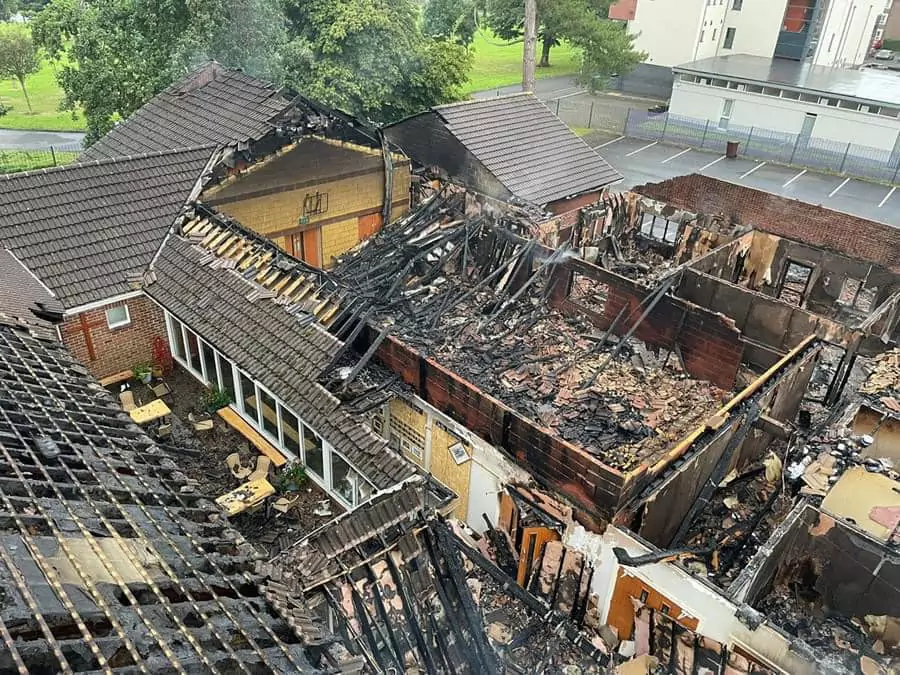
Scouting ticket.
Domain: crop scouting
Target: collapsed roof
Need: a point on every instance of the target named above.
(505, 147)
(109, 559)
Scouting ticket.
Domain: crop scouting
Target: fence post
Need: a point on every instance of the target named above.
(665, 126)
(705, 131)
(794, 150)
(591, 117)
(557, 107)
(749, 138)
(896, 171)
(627, 120)
(53, 155)
(844, 160)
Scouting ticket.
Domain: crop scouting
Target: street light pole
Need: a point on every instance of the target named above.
(530, 45)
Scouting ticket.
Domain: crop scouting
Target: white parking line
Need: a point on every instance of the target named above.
(674, 156)
(794, 178)
(887, 196)
(603, 145)
(634, 152)
(834, 192)
(758, 166)
(715, 161)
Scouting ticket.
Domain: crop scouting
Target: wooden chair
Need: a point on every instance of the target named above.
(284, 504)
(263, 466)
(126, 398)
(237, 469)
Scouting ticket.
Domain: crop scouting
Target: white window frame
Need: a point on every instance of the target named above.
(118, 324)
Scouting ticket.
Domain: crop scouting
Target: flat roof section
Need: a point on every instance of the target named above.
(867, 86)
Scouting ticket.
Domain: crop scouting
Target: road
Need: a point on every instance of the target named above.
(642, 162)
(24, 139)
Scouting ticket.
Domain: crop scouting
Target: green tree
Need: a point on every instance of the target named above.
(606, 45)
(450, 20)
(8, 8)
(120, 53)
(18, 55)
(370, 58)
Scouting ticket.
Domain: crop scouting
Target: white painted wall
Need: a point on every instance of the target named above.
(668, 30)
(847, 32)
(715, 613)
(757, 110)
(756, 26)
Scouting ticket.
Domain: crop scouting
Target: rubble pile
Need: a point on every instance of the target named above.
(461, 291)
(882, 385)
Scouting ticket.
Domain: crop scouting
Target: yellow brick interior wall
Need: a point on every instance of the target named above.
(338, 238)
(445, 469)
(412, 417)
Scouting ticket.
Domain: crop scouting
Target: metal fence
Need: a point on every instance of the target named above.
(15, 160)
(767, 145)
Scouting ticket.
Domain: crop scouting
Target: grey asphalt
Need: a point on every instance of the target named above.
(642, 162)
(23, 139)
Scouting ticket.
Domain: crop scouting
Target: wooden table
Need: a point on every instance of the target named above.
(245, 496)
(150, 412)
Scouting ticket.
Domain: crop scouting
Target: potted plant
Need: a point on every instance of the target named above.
(157, 370)
(214, 399)
(142, 372)
(292, 477)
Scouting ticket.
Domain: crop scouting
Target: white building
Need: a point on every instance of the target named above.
(815, 102)
(826, 32)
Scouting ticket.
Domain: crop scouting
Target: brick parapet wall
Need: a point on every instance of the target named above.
(856, 237)
(115, 349)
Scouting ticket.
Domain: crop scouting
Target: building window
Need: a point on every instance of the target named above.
(209, 363)
(727, 107)
(193, 352)
(830, 42)
(118, 316)
(175, 330)
(794, 284)
(714, 35)
(702, 32)
(344, 480)
(290, 431)
(312, 452)
(269, 421)
(248, 397)
(736, 5)
(729, 38)
(226, 377)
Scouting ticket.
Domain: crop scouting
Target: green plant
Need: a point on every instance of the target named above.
(292, 477)
(141, 370)
(214, 399)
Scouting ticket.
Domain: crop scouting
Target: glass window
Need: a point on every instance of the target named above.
(344, 480)
(209, 362)
(248, 394)
(269, 414)
(177, 339)
(193, 347)
(226, 380)
(290, 431)
(729, 38)
(312, 452)
(118, 316)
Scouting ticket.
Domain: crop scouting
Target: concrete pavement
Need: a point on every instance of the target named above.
(24, 139)
(641, 161)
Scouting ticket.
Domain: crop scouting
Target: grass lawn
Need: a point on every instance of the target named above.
(45, 95)
(12, 161)
(499, 64)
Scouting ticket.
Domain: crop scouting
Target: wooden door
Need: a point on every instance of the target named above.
(621, 607)
(307, 246)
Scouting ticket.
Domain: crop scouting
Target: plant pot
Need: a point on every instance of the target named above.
(145, 377)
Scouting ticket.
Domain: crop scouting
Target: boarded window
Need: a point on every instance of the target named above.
(589, 293)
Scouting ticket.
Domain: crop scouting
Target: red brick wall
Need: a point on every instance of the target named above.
(710, 344)
(567, 209)
(116, 349)
(815, 225)
(582, 478)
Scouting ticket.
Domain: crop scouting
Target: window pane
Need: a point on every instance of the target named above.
(226, 382)
(209, 362)
(248, 392)
(343, 478)
(177, 339)
(193, 351)
(290, 429)
(312, 452)
(117, 316)
(270, 417)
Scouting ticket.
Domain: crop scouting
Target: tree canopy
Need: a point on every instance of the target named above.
(18, 55)
(450, 20)
(606, 45)
(368, 57)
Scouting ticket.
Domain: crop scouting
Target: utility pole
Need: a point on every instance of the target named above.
(530, 45)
